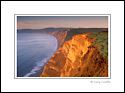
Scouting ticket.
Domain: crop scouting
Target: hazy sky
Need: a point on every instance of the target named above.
(39, 22)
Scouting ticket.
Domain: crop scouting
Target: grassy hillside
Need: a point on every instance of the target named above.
(73, 32)
(101, 41)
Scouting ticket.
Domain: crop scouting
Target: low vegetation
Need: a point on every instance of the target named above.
(101, 41)
(73, 32)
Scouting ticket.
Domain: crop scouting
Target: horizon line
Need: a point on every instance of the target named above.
(63, 27)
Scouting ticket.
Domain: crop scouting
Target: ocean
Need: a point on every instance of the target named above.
(33, 52)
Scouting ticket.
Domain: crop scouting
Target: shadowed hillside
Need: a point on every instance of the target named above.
(73, 32)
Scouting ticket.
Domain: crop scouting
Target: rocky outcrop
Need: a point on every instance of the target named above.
(76, 58)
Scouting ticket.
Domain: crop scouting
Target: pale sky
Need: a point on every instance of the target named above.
(39, 22)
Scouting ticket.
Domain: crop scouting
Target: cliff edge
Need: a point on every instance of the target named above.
(83, 55)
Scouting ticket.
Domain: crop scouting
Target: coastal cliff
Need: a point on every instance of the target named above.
(60, 35)
(82, 55)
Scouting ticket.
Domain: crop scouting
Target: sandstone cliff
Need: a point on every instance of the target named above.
(78, 57)
(60, 35)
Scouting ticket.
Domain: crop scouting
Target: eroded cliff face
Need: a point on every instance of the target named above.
(76, 58)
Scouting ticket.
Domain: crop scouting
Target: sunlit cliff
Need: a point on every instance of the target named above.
(82, 55)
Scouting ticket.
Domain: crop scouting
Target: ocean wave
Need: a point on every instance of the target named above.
(40, 64)
(37, 67)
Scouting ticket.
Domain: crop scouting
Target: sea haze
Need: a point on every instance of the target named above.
(33, 51)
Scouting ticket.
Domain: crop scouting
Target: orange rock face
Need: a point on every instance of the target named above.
(60, 35)
(76, 59)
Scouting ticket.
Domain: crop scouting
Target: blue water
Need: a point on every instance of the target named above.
(33, 51)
